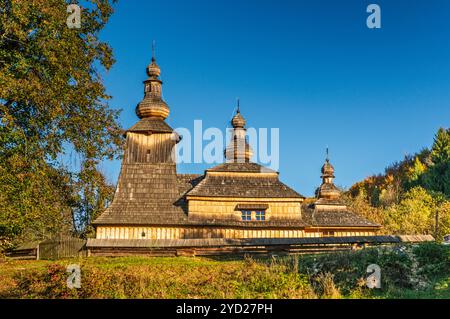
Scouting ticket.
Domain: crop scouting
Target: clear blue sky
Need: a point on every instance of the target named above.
(311, 68)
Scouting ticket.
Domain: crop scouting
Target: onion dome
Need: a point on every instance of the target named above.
(153, 105)
(327, 169)
(153, 69)
(238, 120)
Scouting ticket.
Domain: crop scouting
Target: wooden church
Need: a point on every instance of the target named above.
(154, 207)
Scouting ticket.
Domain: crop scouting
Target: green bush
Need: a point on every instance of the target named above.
(349, 268)
(433, 259)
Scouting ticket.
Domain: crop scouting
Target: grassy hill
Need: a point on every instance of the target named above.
(407, 272)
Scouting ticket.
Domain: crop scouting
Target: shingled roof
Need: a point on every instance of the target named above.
(153, 194)
(160, 200)
(253, 185)
(241, 167)
(333, 218)
(153, 125)
(146, 194)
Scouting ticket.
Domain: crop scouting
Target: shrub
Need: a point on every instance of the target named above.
(349, 268)
(433, 259)
(325, 286)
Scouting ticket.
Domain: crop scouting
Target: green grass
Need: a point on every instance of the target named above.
(140, 277)
(420, 272)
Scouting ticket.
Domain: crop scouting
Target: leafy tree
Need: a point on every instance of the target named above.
(35, 199)
(443, 220)
(361, 206)
(415, 172)
(92, 195)
(415, 213)
(51, 99)
(411, 193)
(390, 192)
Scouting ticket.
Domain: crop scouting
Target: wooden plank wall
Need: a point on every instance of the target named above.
(152, 148)
(208, 209)
(121, 232)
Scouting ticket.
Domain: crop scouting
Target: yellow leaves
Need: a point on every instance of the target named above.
(389, 179)
(416, 169)
(414, 214)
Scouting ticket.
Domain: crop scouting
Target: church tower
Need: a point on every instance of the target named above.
(147, 190)
(151, 140)
(238, 150)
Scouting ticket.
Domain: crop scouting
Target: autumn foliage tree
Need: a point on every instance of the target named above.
(52, 99)
(413, 195)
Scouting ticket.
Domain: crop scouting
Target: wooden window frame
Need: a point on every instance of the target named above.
(246, 215)
(262, 215)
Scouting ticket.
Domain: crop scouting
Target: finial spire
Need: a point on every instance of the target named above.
(238, 106)
(153, 50)
(328, 154)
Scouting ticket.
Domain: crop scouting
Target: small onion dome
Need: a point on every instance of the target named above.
(152, 106)
(327, 169)
(153, 69)
(238, 121)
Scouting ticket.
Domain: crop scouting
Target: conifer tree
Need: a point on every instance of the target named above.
(440, 152)
(438, 176)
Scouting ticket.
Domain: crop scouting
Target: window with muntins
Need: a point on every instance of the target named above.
(260, 215)
(246, 215)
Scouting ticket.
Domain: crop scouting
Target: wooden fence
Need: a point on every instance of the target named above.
(51, 249)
